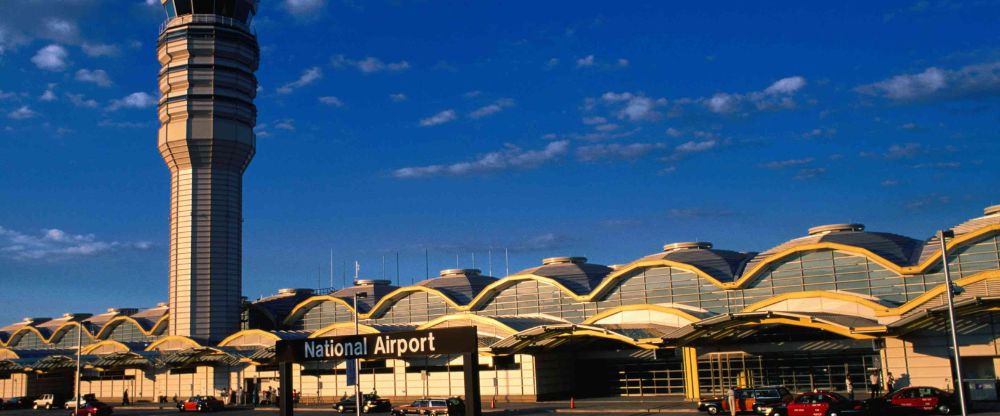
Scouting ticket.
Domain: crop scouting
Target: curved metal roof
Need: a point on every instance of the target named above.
(572, 272)
(373, 289)
(460, 285)
(723, 265)
(896, 248)
(282, 303)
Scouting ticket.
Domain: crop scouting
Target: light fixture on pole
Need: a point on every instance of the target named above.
(950, 293)
(357, 363)
(79, 353)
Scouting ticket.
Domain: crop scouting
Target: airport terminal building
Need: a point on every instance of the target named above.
(688, 320)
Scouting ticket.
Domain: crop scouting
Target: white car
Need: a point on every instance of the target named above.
(45, 401)
(71, 403)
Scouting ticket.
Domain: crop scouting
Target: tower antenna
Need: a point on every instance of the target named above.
(490, 261)
(506, 262)
(331, 269)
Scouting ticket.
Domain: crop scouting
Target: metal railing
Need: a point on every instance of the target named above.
(206, 18)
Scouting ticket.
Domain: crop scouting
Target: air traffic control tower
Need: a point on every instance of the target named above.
(208, 54)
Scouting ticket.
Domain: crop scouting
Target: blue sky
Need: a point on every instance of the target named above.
(603, 129)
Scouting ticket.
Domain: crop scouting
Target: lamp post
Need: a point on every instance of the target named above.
(950, 294)
(357, 363)
(79, 351)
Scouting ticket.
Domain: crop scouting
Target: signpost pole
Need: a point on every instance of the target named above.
(470, 362)
(285, 402)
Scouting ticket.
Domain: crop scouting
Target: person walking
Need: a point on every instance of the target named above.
(890, 383)
(849, 386)
(125, 401)
(873, 384)
(731, 401)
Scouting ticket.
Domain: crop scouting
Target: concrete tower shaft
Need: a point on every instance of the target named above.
(208, 55)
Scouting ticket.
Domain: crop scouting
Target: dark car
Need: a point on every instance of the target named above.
(201, 404)
(16, 403)
(93, 408)
(369, 403)
(747, 400)
(915, 400)
(823, 403)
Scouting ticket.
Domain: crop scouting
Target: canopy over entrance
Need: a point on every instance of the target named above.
(761, 325)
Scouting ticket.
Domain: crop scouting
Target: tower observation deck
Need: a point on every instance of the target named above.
(208, 55)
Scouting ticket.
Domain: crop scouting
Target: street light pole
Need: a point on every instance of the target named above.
(357, 363)
(941, 235)
(79, 348)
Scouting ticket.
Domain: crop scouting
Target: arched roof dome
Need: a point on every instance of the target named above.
(572, 272)
(723, 265)
(896, 248)
(281, 304)
(460, 285)
(374, 289)
(991, 216)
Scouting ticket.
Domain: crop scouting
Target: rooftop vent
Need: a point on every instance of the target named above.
(372, 282)
(162, 305)
(688, 245)
(112, 310)
(460, 272)
(294, 291)
(990, 210)
(835, 228)
(564, 260)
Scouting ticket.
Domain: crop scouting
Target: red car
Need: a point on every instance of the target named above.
(823, 403)
(93, 408)
(201, 404)
(912, 400)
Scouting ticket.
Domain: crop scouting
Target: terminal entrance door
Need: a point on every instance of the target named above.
(798, 371)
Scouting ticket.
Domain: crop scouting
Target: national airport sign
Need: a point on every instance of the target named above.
(457, 340)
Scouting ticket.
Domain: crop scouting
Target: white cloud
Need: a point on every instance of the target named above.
(58, 244)
(786, 85)
(552, 63)
(304, 8)
(585, 61)
(594, 120)
(51, 58)
(61, 30)
(782, 164)
(308, 77)
(48, 95)
(696, 146)
(819, 132)
(100, 49)
(776, 96)
(472, 94)
(492, 108)
(903, 151)
(23, 112)
(633, 107)
(612, 151)
(331, 100)
(397, 97)
(133, 100)
(80, 101)
(96, 76)
(622, 62)
(809, 173)
(285, 124)
(439, 118)
(936, 84)
(370, 64)
(511, 157)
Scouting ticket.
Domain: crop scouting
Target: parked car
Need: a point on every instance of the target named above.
(19, 402)
(71, 403)
(916, 400)
(776, 409)
(369, 403)
(93, 408)
(747, 400)
(823, 403)
(201, 404)
(434, 407)
(47, 401)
